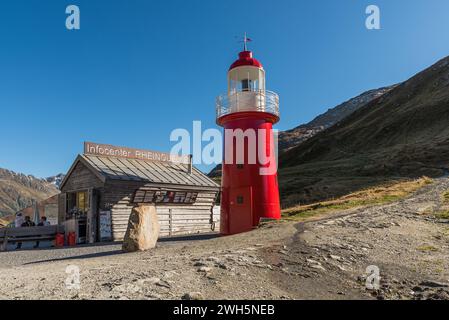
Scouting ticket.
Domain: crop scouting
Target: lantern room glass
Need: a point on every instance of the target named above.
(246, 79)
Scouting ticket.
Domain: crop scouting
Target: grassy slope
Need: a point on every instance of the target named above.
(444, 211)
(371, 196)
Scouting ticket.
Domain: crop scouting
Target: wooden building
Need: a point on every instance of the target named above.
(106, 182)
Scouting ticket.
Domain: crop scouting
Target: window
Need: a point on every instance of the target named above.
(191, 197)
(81, 201)
(239, 199)
(149, 196)
(139, 197)
(164, 196)
(180, 197)
(246, 85)
(159, 196)
(77, 203)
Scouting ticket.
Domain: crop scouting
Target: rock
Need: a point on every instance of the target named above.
(439, 295)
(170, 274)
(341, 268)
(380, 296)
(127, 288)
(152, 280)
(193, 296)
(204, 269)
(318, 266)
(163, 283)
(434, 284)
(311, 261)
(335, 257)
(221, 265)
(143, 229)
(213, 259)
(279, 264)
(417, 289)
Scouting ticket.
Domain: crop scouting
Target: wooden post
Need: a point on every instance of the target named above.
(5, 241)
(62, 208)
(92, 217)
(170, 222)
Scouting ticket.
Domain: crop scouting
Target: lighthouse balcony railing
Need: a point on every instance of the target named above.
(259, 101)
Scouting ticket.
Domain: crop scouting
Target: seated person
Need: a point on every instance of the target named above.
(26, 223)
(42, 223)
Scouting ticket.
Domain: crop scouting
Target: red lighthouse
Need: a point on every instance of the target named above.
(247, 112)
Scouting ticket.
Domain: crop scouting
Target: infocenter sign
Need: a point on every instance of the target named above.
(91, 148)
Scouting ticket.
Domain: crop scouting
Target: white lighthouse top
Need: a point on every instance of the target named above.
(246, 89)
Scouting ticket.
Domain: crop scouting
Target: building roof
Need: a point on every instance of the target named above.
(158, 172)
(246, 59)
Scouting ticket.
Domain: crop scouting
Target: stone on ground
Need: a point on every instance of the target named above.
(143, 229)
(193, 296)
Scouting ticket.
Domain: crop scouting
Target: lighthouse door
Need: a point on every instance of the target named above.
(241, 210)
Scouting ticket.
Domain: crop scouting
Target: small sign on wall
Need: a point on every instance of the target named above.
(105, 225)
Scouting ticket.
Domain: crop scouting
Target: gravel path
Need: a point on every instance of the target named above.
(28, 256)
(324, 259)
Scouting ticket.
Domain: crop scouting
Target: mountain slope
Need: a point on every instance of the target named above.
(403, 133)
(291, 138)
(18, 191)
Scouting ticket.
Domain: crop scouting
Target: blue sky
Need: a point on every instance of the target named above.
(139, 69)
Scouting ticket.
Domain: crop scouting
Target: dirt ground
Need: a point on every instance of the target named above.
(324, 259)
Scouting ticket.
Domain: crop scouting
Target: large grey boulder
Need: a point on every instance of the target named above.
(143, 229)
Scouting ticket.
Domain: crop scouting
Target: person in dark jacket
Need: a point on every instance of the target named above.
(42, 223)
(26, 223)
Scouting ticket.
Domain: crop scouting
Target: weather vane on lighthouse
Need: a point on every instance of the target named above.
(245, 42)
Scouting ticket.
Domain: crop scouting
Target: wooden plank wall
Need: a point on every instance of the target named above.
(175, 219)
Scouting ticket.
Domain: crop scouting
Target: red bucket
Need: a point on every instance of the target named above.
(59, 241)
(71, 239)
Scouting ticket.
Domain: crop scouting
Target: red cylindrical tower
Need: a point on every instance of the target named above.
(249, 170)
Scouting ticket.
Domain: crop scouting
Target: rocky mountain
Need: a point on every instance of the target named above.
(18, 191)
(56, 180)
(403, 133)
(291, 138)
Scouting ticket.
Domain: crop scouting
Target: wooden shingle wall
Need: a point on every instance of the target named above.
(175, 219)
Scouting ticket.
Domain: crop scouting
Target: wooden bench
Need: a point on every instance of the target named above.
(27, 234)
